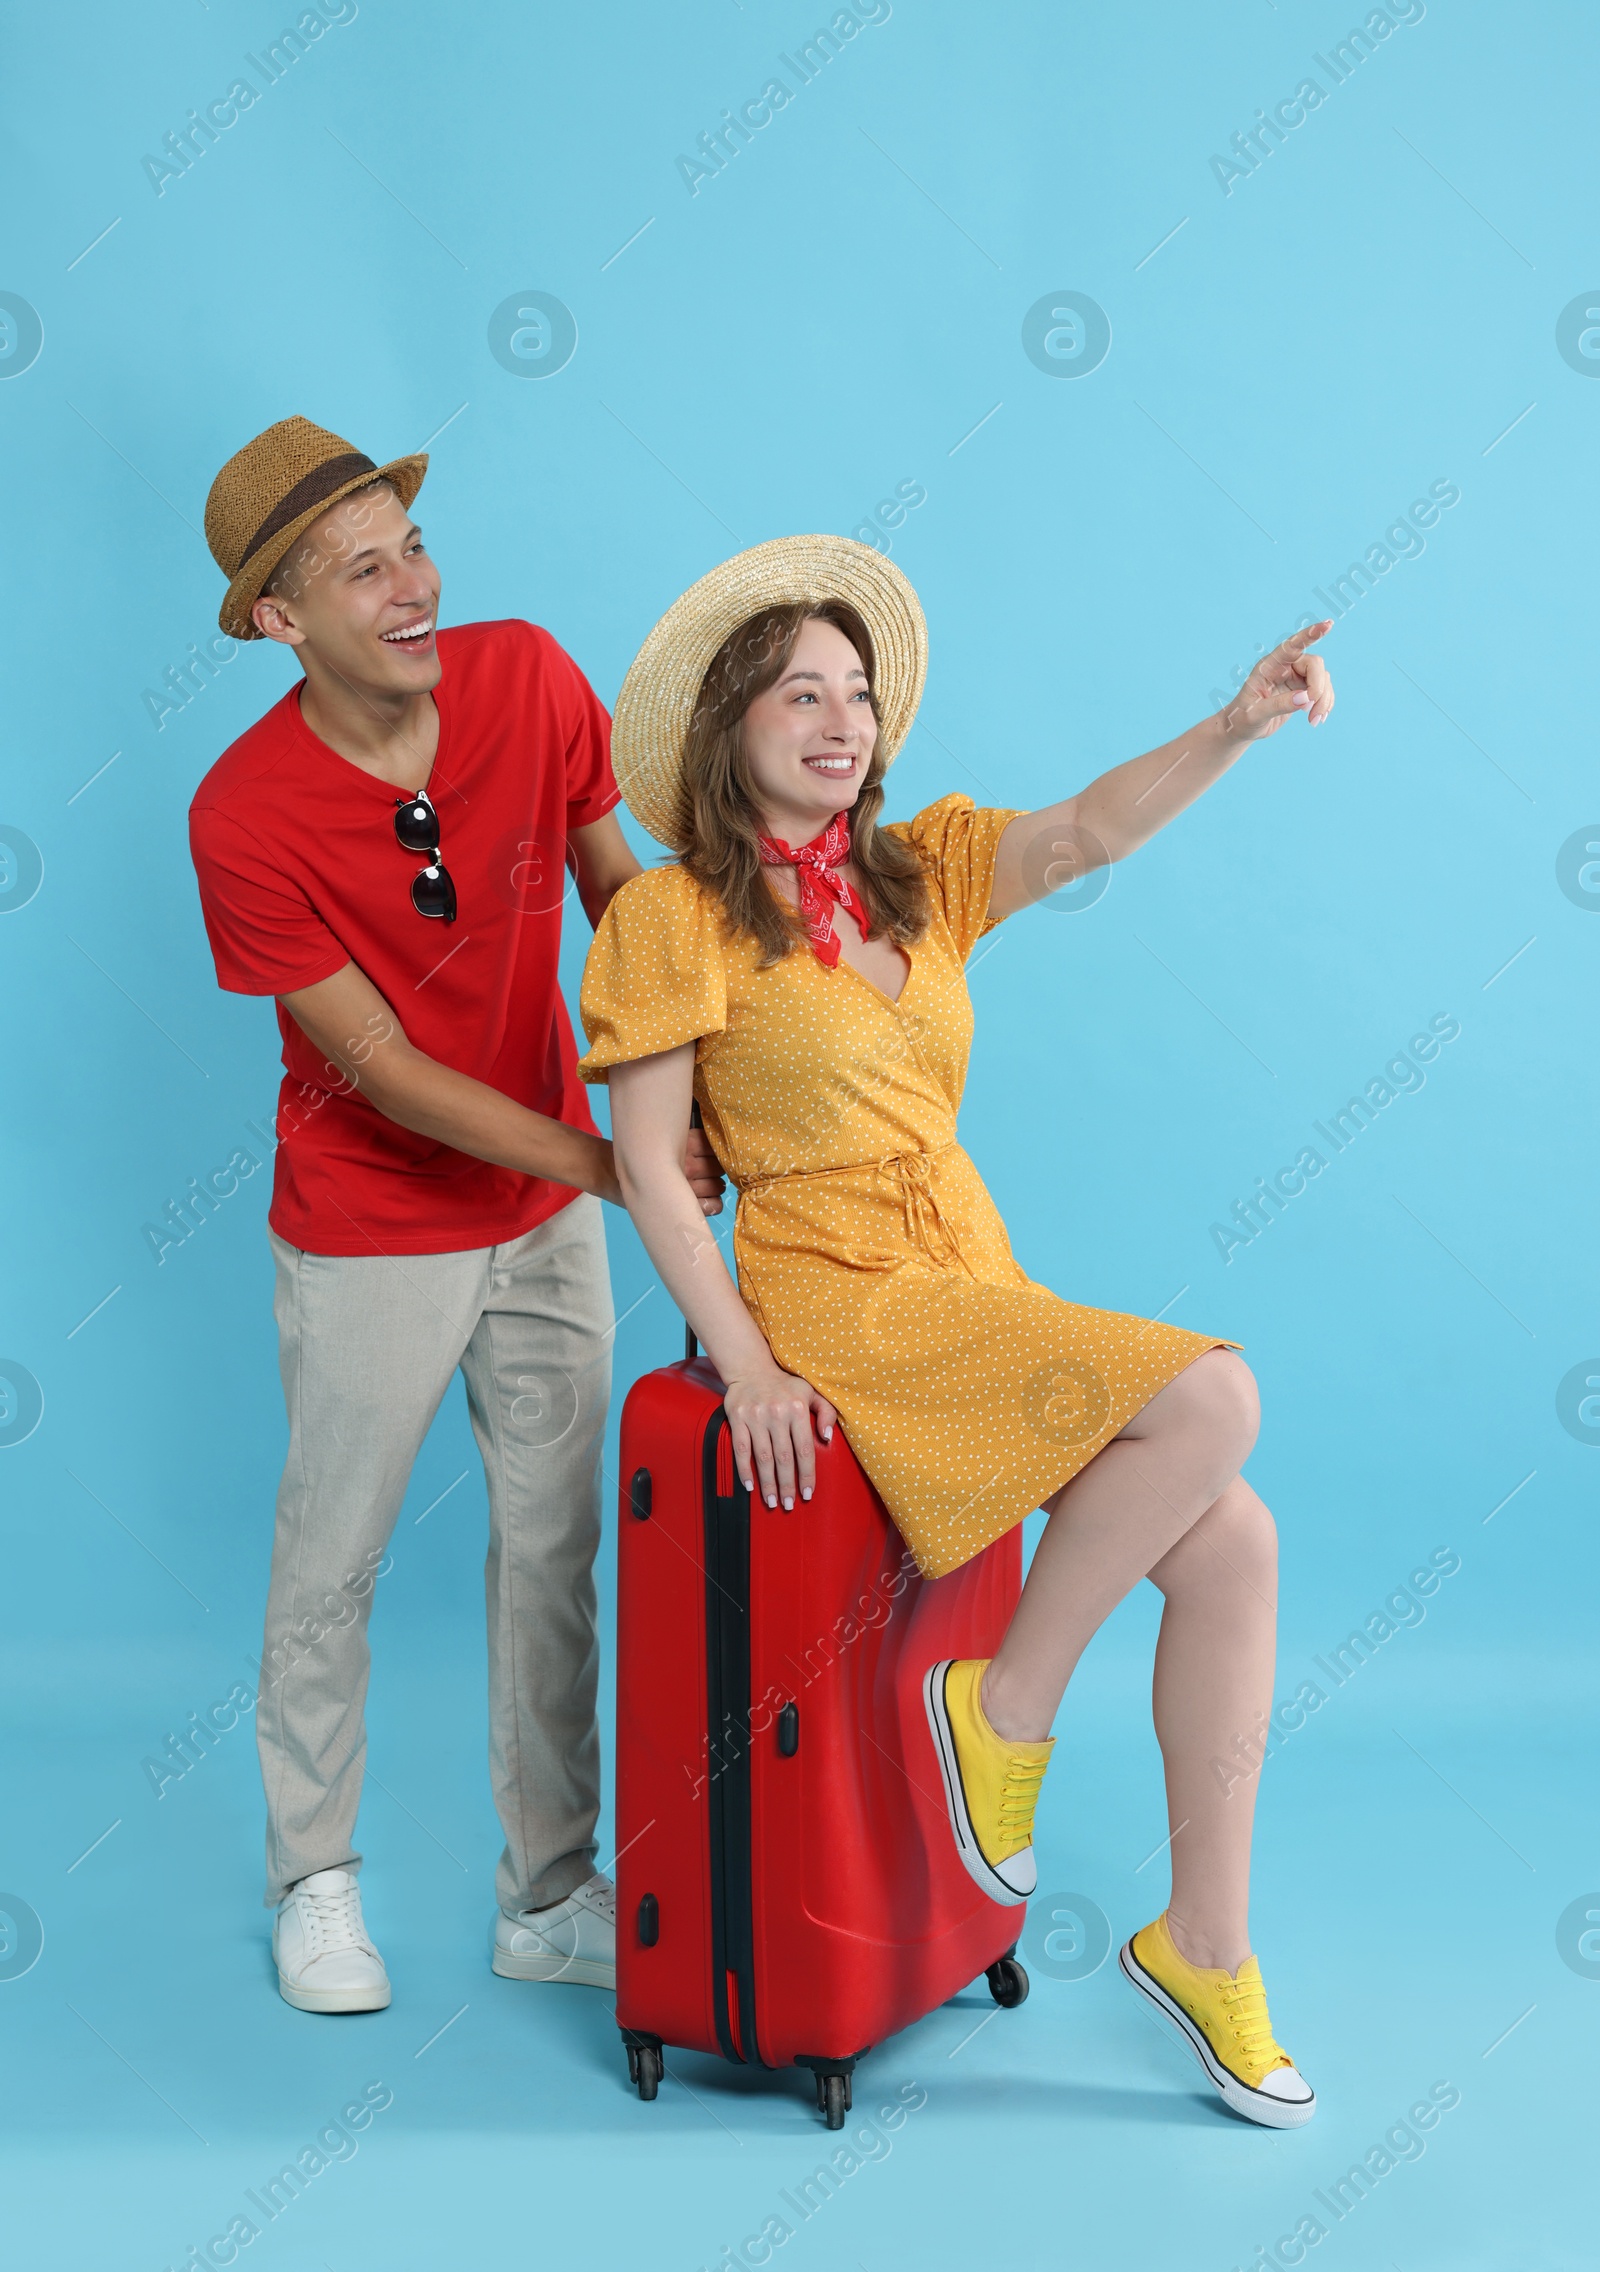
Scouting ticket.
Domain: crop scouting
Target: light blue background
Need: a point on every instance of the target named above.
(1375, 309)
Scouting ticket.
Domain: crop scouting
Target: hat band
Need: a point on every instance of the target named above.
(318, 484)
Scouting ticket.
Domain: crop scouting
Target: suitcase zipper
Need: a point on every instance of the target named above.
(727, 1567)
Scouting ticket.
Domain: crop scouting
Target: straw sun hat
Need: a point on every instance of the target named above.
(658, 695)
(269, 493)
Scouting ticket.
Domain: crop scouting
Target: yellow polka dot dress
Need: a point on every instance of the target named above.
(867, 1249)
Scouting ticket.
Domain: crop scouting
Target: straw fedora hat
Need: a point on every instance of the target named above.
(657, 702)
(269, 493)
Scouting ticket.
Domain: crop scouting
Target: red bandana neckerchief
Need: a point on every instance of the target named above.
(821, 887)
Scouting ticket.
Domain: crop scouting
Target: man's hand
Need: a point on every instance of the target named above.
(364, 1047)
(704, 1171)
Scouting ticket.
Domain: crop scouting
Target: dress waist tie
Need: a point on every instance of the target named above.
(925, 1224)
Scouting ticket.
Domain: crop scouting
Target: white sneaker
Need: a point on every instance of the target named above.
(319, 1943)
(575, 1939)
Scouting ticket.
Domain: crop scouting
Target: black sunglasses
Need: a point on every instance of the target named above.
(416, 824)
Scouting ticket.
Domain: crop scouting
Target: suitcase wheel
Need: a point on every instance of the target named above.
(833, 2096)
(833, 2081)
(1008, 1983)
(645, 2065)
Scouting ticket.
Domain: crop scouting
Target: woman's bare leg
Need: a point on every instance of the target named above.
(1111, 1525)
(1212, 1691)
(1164, 1500)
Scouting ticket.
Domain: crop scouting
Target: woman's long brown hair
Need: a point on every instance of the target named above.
(719, 811)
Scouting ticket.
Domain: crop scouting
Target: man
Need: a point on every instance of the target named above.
(387, 853)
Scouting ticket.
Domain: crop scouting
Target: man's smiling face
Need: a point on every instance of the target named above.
(359, 591)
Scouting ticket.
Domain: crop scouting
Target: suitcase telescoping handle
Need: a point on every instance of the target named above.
(691, 1347)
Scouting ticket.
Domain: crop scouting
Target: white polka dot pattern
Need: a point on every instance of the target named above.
(867, 1248)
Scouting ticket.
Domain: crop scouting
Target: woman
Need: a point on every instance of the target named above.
(798, 972)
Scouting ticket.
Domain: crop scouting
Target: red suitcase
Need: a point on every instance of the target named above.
(788, 1889)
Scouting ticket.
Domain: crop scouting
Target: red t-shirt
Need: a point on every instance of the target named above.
(301, 872)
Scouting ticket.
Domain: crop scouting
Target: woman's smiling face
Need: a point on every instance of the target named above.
(808, 740)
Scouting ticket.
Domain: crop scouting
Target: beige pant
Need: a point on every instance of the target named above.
(368, 1345)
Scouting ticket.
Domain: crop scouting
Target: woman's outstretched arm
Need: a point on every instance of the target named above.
(769, 1410)
(1121, 810)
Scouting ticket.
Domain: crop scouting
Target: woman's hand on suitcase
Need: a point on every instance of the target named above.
(769, 1418)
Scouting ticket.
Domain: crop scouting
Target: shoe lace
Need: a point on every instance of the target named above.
(601, 1897)
(1245, 2005)
(1019, 1795)
(334, 1918)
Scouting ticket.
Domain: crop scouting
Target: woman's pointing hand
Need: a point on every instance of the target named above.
(1287, 681)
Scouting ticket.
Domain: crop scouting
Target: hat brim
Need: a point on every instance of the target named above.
(403, 474)
(656, 705)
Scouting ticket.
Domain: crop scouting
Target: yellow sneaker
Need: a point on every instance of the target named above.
(990, 1785)
(1222, 2016)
